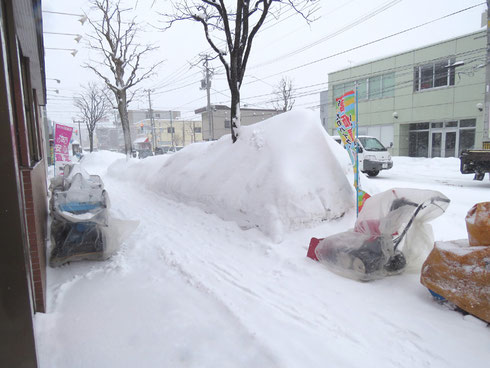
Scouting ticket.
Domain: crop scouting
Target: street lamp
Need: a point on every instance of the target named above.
(82, 19)
(57, 80)
(77, 36)
(73, 51)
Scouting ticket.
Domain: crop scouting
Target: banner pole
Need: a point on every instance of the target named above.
(356, 174)
(54, 153)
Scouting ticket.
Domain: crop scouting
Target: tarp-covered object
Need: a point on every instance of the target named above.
(81, 226)
(478, 224)
(391, 234)
(461, 274)
(394, 209)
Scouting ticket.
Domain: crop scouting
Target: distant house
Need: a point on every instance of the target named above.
(169, 133)
(23, 204)
(135, 116)
(428, 102)
(217, 122)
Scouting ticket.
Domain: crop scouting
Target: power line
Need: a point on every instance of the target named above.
(377, 40)
(356, 22)
(371, 42)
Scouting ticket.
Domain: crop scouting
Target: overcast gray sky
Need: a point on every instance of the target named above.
(283, 48)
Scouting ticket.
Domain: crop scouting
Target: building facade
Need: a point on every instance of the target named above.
(135, 116)
(218, 123)
(171, 133)
(428, 102)
(23, 204)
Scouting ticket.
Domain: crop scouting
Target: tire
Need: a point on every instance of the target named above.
(373, 173)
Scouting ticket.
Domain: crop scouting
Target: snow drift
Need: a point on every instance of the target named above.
(282, 174)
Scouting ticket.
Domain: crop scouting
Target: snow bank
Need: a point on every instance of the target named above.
(98, 161)
(282, 174)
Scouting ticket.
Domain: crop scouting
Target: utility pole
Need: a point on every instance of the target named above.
(183, 133)
(152, 121)
(206, 84)
(172, 130)
(79, 135)
(486, 117)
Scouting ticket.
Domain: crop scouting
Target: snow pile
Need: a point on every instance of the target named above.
(98, 161)
(190, 290)
(282, 174)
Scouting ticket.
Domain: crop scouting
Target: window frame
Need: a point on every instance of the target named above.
(369, 83)
(450, 80)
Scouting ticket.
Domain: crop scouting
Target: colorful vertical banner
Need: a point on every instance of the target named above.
(346, 122)
(62, 137)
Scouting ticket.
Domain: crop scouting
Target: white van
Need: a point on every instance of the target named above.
(373, 156)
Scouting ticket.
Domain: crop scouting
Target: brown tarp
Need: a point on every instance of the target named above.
(461, 274)
(478, 224)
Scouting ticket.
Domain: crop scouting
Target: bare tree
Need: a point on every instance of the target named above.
(239, 26)
(93, 106)
(178, 141)
(121, 69)
(284, 91)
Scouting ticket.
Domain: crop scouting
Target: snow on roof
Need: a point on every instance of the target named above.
(141, 140)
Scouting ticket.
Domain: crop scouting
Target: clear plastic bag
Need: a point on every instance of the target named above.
(391, 235)
(81, 227)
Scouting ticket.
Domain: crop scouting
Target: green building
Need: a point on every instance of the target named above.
(428, 102)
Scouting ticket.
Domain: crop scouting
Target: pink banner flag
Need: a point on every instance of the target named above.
(62, 137)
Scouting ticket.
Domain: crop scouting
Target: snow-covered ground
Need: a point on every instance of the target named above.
(193, 288)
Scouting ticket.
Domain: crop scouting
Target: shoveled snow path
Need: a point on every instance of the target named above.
(296, 310)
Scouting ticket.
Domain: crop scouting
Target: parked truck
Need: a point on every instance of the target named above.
(476, 161)
(373, 156)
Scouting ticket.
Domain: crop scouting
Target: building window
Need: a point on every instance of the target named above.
(374, 87)
(227, 123)
(438, 74)
(30, 111)
(197, 129)
(371, 88)
(171, 130)
(147, 115)
(467, 134)
(441, 139)
(362, 89)
(467, 123)
(466, 139)
(157, 115)
(388, 84)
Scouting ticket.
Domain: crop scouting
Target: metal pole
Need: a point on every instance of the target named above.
(208, 92)
(80, 136)
(152, 121)
(183, 133)
(486, 116)
(356, 170)
(193, 131)
(172, 130)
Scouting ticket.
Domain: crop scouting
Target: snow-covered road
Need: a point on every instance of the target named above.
(188, 289)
